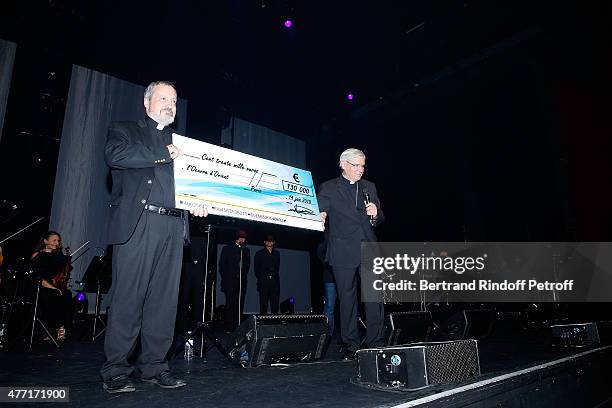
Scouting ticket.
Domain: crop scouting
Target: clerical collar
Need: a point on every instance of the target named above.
(346, 178)
(153, 123)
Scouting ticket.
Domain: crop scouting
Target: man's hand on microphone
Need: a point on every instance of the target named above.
(174, 151)
(371, 209)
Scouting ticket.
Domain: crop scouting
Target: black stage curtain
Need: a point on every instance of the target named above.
(82, 182)
(7, 59)
(247, 137)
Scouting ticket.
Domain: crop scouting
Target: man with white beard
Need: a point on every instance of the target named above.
(147, 234)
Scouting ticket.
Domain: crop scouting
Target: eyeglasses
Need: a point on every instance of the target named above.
(356, 165)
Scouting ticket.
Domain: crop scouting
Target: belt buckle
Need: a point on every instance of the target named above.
(162, 211)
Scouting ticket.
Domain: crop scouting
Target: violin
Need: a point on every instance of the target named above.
(62, 277)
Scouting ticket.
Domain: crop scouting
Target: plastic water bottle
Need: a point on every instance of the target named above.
(244, 358)
(4, 314)
(3, 335)
(189, 347)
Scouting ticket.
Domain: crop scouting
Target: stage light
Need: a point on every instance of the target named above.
(288, 23)
(81, 306)
(350, 96)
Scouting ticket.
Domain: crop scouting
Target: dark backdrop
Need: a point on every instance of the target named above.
(481, 120)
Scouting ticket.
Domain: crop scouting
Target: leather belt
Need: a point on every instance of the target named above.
(172, 212)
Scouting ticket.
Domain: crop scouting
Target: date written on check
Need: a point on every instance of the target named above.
(240, 185)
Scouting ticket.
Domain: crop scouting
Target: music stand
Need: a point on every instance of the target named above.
(207, 338)
(32, 324)
(43, 263)
(97, 279)
(36, 320)
(203, 329)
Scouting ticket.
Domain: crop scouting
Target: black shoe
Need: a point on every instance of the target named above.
(165, 379)
(350, 355)
(120, 383)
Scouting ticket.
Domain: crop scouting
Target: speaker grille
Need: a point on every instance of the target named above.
(452, 361)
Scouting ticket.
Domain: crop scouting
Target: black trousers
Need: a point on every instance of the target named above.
(55, 309)
(346, 284)
(232, 312)
(190, 301)
(146, 275)
(269, 293)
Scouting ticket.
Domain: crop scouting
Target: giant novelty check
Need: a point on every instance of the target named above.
(239, 185)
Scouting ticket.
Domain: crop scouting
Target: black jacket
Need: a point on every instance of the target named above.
(229, 266)
(267, 265)
(132, 165)
(348, 226)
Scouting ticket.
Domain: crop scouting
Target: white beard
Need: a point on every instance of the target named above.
(164, 118)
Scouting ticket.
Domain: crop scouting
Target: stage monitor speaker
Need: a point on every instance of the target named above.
(419, 365)
(407, 327)
(479, 322)
(581, 334)
(470, 324)
(272, 339)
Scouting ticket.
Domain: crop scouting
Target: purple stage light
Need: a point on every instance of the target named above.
(350, 97)
(80, 296)
(292, 301)
(288, 23)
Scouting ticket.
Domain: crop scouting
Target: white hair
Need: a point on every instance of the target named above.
(350, 154)
(148, 93)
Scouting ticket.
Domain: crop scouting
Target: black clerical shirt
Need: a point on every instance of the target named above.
(162, 189)
(354, 193)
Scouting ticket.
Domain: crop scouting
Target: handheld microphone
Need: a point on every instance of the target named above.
(366, 198)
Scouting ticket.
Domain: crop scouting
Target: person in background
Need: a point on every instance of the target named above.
(52, 266)
(267, 266)
(234, 265)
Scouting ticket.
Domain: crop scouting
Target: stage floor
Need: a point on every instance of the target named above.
(524, 372)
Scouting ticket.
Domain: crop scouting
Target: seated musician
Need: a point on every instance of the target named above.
(52, 266)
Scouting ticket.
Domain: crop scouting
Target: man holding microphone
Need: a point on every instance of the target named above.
(353, 208)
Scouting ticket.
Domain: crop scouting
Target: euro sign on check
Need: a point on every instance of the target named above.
(235, 184)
